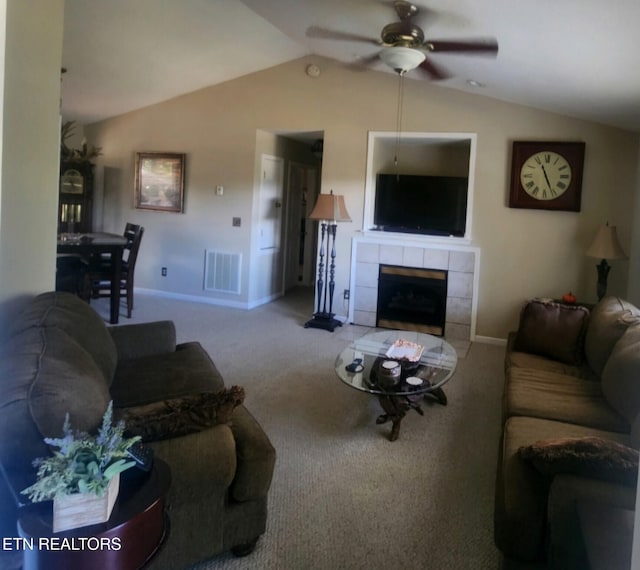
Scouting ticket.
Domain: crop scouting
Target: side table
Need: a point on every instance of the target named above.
(137, 528)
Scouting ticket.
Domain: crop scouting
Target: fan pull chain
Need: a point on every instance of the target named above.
(399, 117)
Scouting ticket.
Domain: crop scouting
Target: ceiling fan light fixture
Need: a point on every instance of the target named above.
(401, 59)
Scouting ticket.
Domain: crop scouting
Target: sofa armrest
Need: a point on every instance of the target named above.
(144, 339)
(256, 457)
(200, 462)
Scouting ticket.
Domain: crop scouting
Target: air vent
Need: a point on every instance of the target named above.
(222, 271)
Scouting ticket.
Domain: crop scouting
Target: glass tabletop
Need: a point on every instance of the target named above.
(436, 365)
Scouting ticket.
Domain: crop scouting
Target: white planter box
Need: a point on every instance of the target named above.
(79, 509)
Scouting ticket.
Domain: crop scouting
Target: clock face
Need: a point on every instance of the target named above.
(545, 175)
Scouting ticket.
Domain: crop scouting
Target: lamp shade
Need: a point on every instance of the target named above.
(606, 244)
(330, 207)
(401, 58)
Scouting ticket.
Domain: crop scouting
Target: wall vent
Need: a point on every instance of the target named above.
(222, 271)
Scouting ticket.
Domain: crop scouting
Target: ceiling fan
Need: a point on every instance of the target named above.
(404, 44)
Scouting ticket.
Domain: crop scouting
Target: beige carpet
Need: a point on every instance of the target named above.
(343, 496)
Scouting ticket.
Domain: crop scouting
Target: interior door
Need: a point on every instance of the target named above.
(271, 195)
(301, 194)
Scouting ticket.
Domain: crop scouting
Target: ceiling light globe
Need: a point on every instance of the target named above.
(402, 59)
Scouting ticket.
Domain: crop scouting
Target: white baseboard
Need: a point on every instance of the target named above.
(491, 340)
(194, 298)
(263, 301)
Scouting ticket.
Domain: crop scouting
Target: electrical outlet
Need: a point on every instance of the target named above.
(346, 294)
(164, 271)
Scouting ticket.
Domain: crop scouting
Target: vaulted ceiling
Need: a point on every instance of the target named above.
(575, 57)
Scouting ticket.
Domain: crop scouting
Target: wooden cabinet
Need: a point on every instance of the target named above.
(75, 204)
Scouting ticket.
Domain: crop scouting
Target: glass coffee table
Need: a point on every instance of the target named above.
(375, 364)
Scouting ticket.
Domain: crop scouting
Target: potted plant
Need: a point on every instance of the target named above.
(83, 476)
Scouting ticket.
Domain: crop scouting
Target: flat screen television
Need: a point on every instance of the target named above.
(430, 205)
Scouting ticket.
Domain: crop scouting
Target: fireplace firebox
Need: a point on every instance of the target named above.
(412, 298)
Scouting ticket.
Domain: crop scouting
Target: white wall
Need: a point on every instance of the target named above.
(29, 149)
(525, 253)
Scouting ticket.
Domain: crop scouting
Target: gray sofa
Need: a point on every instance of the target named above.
(572, 378)
(60, 357)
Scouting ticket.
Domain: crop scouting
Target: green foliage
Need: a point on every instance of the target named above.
(83, 463)
(83, 154)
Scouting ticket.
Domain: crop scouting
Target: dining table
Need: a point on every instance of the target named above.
(91, 245)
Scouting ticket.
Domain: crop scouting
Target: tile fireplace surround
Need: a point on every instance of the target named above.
(460, 261)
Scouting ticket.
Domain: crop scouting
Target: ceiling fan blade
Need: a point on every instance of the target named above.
(434, 71)
(487, 46)
(326, 34)
(363, 63)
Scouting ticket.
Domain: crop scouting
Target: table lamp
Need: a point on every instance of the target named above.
(605, 246)
(329, 210)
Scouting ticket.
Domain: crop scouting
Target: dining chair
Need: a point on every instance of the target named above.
(70, 273)
(99, 276)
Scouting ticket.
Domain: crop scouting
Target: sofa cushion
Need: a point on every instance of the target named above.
(514, 358)
(553, 330)
(144, 339)
(188, 370)
(621, 374)
(542, 394)
(517, 359)
(608, 322)
(72, 315)
(181, 416)
(592, 457)
(521, 491)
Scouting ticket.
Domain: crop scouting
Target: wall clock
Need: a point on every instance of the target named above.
(546, 175)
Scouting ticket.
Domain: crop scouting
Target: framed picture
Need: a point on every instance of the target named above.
(159, 181)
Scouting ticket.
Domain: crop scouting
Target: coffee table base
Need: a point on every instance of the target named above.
(396, 407)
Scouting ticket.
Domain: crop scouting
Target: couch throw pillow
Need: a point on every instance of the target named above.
(592, 457)
(180, 416)
(553, 330)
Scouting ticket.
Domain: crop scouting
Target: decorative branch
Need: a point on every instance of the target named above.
(83, 154)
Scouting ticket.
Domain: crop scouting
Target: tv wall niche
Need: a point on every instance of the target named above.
(434, 174)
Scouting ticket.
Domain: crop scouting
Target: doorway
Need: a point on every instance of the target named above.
(300, 231)
(288, 169)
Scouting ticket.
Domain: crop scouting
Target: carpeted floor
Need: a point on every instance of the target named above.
(343, 496)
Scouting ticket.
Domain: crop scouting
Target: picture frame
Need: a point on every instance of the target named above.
(159, 181)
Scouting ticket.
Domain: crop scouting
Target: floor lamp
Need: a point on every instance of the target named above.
(329, 210)
(605, 246)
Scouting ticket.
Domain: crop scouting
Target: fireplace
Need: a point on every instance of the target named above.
(412, 298)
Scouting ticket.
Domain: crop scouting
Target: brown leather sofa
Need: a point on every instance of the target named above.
(572, 381)
(61, 358)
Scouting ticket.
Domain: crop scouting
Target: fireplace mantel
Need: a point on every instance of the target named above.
(461, 261)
